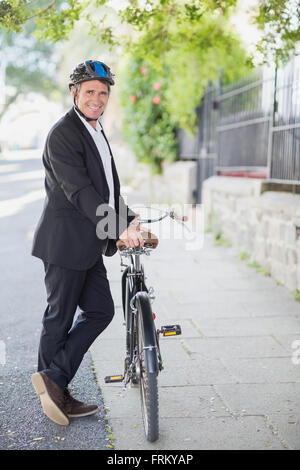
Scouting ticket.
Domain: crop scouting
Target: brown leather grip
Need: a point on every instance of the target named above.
(150, 241)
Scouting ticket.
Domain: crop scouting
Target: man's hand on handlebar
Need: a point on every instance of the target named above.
(132, 236)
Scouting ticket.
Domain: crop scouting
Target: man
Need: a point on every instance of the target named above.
(83, 217)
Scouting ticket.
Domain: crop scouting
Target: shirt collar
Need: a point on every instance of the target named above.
(91, 130)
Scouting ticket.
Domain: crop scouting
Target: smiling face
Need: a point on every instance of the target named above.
(91, 99)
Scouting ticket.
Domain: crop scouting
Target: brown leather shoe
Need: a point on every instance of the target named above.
(52, 398)
(75, 408)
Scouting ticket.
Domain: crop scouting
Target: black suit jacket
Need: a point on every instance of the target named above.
(76, 186)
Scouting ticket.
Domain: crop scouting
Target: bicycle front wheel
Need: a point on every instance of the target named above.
(148, 376)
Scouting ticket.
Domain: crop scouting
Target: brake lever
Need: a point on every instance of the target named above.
(179, 219)
(175, 216)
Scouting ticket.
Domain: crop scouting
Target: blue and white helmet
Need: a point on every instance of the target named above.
(91, 70)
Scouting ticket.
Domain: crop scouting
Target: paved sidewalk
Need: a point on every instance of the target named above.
(229, 381)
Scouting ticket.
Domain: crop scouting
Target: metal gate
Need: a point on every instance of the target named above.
(284, 143)
(250, 127)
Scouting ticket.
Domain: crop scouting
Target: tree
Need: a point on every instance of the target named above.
(54, 19)
(181, 43)
(57, 17)
(166, 72)
(147, 124)
(280, 22)
(28, 65)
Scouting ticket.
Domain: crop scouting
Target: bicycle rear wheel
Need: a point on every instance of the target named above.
(148, 377)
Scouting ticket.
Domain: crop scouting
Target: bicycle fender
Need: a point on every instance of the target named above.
(149, 332)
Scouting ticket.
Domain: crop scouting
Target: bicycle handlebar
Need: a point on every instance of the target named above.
(171, 214)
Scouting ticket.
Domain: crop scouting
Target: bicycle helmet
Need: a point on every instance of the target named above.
(91, 70)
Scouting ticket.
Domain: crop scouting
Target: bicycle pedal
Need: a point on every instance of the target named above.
(170, 330)
(114, 378)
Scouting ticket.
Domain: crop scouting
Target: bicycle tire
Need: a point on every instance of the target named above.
(148, 377)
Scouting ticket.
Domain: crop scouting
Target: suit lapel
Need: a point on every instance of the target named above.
(88, 137)
(113, 166)
(72, 114)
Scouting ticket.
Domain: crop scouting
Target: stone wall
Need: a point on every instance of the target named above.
(264, 224)
(176, 185)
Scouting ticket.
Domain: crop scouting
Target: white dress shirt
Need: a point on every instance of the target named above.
(105, 155)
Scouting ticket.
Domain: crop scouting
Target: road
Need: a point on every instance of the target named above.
(22, 422)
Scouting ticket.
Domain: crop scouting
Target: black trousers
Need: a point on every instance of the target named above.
(64, 343)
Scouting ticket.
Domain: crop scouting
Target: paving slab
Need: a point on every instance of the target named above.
(260, 398)
(206, 308)
(250, 432)
(290, 342)
(263, 370)
(259, 326)
(235, 347)
(289, 427)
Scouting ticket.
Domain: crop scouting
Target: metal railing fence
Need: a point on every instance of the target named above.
(252, 125)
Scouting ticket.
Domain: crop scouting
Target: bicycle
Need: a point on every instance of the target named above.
(143, 360)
